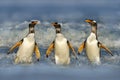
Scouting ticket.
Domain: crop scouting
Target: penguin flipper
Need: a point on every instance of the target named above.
(82, 46)
(15, 46)
(70, 46)
(50, 48)
(104, 47)
(37, 52)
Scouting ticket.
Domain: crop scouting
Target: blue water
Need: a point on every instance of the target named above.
(16, 15)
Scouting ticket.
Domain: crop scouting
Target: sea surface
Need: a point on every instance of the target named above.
(16, 15)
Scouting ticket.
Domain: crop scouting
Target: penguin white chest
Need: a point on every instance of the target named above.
(26, 49)
(61, 51)
(92, 49)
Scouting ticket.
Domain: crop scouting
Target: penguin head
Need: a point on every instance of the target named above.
(57, 27)
(91, 22)
(32, 25)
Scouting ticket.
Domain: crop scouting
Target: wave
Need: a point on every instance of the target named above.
(76, 33)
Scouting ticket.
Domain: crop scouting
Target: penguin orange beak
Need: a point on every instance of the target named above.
(88, 20)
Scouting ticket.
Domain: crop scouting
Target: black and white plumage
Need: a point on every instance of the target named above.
(27, 46)
(92, 45)
(61, 47)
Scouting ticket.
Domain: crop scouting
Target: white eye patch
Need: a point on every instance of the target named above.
(94, 21)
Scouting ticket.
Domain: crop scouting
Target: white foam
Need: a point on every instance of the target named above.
(76, 33)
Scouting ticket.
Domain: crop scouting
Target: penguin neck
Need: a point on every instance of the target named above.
(31, 30)
(58, 30)
(58, 33)
(60, 36)
(94, 30)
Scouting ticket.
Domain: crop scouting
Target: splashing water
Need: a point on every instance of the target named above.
(45, 34)
(14, 20)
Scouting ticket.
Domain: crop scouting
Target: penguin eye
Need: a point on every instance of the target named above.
(32, 22)
(56, 23)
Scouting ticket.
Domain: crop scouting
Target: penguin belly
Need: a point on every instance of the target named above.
(92, 50)
(25, 52)
(61, 52)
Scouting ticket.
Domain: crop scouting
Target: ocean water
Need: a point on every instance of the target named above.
(16, 15)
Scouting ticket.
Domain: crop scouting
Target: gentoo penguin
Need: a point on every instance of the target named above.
(61, 47)
(27, 46)
(92, 45)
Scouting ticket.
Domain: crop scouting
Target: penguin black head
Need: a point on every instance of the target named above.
(32, 25)
(57, 27)
(91, 22)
